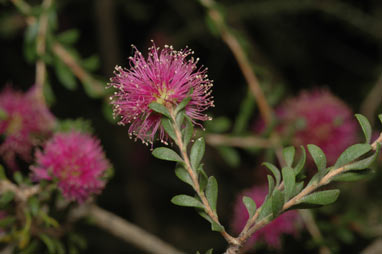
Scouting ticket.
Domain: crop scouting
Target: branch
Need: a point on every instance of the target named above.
(129, 232)
(21, 193)
(244, 64)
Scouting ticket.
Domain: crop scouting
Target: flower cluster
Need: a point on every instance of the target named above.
(76, 161)
(166, 77)
(318, 117)
(24, 122)
(271, 233)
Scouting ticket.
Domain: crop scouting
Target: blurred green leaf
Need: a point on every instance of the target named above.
(168, 127)
(187, 131)
(271, 184)
(167, 154)
(301, 162)
(351, 153)
(91, 63)
(34, 205)
(7, 221)
(49, 243)
(68, 37)
(277, 202)
(182, 104)
(65, 75)
(197, 152)
(366, 127)
(364, 163)
(218, 125)
(245, 113)
(18, 177)
(3, 176)
(354, 175)
(188, 201)
(229, 155)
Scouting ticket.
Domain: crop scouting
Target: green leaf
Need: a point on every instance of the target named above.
(34, 205)
(351, 153)
(167, 154)
(318, 156)
(216, 227)
(65, 75)
(209, 251)
(183, 175)
(275, 171)
(68, 37)
(301, 162)
(380, 117)
(49, 243)
(288, 153)
(197, 152)
(277, 202)
(3, 114)
(168, 127)
(352, 176)
(91, 63)
(245, 113)
(5, 198)
(364, 163)
(230, 155)
(266, 208)
(159, 108)
(49, 221)
(188, 201)
(212, 192)
(289, 182)
(180, 118)
(32, 31)
(298, 187)
(325, 197)
(250, 205)
(203, 178)
(366, 127)
(182, 104)
(188, 131)
(218, 125)
(271, 183)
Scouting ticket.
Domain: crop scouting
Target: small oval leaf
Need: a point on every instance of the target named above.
(277, 202)
(167, 154)
(168, 127)
(275, 171)
(212, 192)
(325, 197)
(366, 127)
(318, 156)
(250, 205)
(183, 175)
(289, 182)
(188, 201)
(159, 108)
(288, 154)
(352, 153)
(197, 152)
(301, 162)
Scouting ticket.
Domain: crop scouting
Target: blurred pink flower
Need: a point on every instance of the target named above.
(76, 161)
(320, 118)
(25, 121)
(286, 223)
(165, 77)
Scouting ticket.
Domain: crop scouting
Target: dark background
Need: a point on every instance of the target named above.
(295, 44)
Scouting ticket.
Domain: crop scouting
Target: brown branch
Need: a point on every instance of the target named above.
(129, 232)
(97, 87)
(21, 193)
(244, 64)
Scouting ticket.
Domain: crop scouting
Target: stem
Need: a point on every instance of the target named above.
(238, 141)
(194, 177)
(129, 232)
(21, 193)
(244, 64)
(252, 225)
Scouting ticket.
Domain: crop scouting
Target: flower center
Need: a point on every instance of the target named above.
(163, 95)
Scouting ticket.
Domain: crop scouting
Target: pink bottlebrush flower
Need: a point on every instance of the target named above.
(25, 122)
(286, 223)
(320, 118)
(76, 161)
(165, 77)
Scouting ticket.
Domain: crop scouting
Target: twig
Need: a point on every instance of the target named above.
(237, 141)
(256, 225)
(245, 66)
(313, 229)
(21, 193)
(372, 101)
(194, 177)
(129, 232)
(97, 87)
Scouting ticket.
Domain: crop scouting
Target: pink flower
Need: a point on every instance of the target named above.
(318, 117)
(165, 77)
(76, 161)
(25, 122)
(286, 223)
